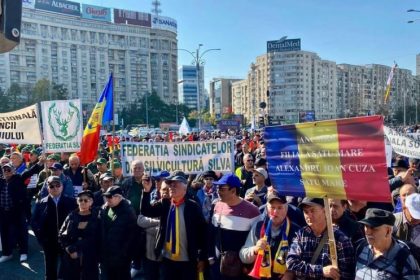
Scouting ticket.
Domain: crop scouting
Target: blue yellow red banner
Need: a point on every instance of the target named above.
(343, 159)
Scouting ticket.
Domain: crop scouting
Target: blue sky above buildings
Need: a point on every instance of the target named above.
(345, 31)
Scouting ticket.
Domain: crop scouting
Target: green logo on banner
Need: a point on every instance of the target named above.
(64, 124)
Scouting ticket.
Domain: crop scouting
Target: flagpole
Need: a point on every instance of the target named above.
(113, 128)
(331, 240)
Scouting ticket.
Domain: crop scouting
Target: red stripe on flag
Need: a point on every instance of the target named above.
(89, 147)
(356, 137)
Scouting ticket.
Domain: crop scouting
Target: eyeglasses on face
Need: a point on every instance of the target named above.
(108, 196)
(85, 200)
(7, 170)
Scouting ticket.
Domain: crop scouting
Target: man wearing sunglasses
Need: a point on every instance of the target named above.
(118, 226)
(48, 217)
(13, 206)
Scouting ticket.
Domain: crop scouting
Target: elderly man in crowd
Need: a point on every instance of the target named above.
(81, 178)
(48, 217)
(13, 209)
(57, 170)
(182, 236)
(342, 219)
(276, 230)
(118, 223)
(407, 222)
(309, 256)
(381, 256)
(258, 194)
(105, 182)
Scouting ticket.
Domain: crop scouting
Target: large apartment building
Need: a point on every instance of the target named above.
(291, 81)
(79, 45)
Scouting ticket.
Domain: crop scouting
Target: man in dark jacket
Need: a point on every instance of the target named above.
(342, 219)
(49, 214)
(118, 224)
(182, 235)
(13, 205)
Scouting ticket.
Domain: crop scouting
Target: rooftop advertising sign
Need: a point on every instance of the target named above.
(59, 6)
(283, 46)
(132, 17)
(164, 23)
(96, 12)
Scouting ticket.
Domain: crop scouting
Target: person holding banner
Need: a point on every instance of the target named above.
(380, 255)
(309, 254)
(270, 237)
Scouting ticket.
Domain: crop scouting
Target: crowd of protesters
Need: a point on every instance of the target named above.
(92, 222)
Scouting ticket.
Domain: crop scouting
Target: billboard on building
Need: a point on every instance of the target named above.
(96, 12)
(164, 23)
(306, 116)
(132, 17)
(283, 46)
(28, 4)
(225, 125)
(59, 6)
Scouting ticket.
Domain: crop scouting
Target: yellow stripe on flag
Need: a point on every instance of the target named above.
(319, 159)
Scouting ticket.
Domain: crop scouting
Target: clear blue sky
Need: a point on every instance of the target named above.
(344, 31)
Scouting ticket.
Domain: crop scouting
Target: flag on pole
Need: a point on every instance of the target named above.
(102, 114)
(185, 127)
(389, 82)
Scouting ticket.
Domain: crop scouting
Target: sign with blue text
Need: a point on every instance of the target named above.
(190, 157)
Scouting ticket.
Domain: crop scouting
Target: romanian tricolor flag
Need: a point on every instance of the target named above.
(102, 114)
(343, 159)
(389, 82)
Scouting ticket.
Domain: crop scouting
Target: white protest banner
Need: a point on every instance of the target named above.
(403, 144)
(190, 157)
(62, 123)
(20, 127)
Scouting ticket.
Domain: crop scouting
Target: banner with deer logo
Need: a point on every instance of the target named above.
(62, 125)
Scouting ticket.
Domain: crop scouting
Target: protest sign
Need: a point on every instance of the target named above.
(343, 159)
(407, 145)
(62, 125)
(20, 127)
(190, 157)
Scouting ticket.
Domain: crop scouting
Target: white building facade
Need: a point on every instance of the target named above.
(80, 48)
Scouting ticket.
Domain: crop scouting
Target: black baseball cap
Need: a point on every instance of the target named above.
(87, 193)
(310, 201)
(274, 195)
(113, 191)
(177, 176)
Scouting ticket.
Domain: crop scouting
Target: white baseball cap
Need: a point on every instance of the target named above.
(262, 171)
(413, 204)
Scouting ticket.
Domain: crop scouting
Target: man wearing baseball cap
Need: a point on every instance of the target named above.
(232, 220)
(258, 194)
(407, 222)
(309, 255)
(182, 235)
(278, 236)
(57, 170)
(118, 224)
(381, 256)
